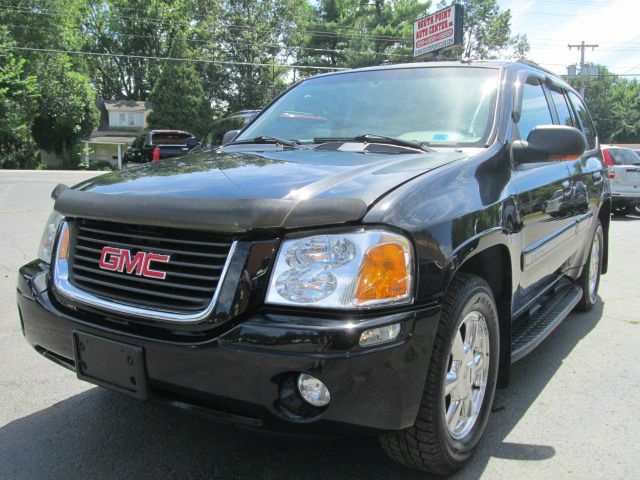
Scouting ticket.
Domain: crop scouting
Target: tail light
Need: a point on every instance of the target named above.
(156, 154)
(609, 161)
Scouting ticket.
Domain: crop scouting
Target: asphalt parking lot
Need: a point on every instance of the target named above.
(570, 412)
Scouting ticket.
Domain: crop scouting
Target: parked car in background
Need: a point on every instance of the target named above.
(215, 136)
(155, 145)
(624, 174)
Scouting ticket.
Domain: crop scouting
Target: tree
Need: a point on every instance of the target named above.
(178, 99)
(625, 101)
(353, 33)
(18, 92)
(253, 33)
(66, 108)
(614, 104)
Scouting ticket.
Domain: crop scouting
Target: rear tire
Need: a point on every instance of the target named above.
(589, 279)
(455, 405)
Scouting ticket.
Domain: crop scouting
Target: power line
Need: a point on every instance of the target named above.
(171, 59)
(208, 41)
(221, 62)
(318, 33)
(588, 3)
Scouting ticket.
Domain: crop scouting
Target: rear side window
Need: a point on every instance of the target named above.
(535, 109)
(170, 139)
(585, 119)
(623, 156)
(562, 108)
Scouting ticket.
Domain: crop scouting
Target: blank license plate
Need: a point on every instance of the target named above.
(115, 365)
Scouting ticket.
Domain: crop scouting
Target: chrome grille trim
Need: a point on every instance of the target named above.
(64, 287)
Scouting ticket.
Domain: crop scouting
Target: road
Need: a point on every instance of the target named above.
(570, 412)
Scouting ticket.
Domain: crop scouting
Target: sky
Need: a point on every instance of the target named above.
(551, 25)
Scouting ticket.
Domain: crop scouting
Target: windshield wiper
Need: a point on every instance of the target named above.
(372, 138)
(267, 139)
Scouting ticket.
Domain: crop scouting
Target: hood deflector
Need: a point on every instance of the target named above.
(230, 216)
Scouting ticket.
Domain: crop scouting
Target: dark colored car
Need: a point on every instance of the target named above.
(155, 145)
(370, 254)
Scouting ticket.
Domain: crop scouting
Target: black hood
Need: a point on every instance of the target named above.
(240, 191)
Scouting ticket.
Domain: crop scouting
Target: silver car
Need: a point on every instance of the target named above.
(624, 174)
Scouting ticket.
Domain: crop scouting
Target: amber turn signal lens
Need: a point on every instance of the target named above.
(63, 249)
(383, 274)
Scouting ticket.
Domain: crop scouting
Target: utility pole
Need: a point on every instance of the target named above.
(583, 46)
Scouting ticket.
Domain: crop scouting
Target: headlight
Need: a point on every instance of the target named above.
(343, 270)
(45, 249)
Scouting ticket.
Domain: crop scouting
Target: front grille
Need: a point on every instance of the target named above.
(196, 263)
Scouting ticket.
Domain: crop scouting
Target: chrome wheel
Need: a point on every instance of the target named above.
(465, 381)
(594, 267)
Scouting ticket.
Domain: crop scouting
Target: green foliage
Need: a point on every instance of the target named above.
(625, 108)
(614, 104)
(18, 92)
(351, 33)
(65, 108)
(49, 98)
(251, 32)
(178, 97)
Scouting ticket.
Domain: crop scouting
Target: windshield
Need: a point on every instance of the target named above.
(448, 106)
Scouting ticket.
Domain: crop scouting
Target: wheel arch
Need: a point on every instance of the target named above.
(494, 266)
(604, 215)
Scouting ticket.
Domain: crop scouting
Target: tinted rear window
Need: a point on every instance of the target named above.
(170, 139)
(623, 156)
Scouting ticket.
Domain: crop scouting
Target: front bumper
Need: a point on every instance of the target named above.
(238, 375)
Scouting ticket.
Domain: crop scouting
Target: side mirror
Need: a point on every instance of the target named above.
(550, 143)
(192, 142)
(230, 136)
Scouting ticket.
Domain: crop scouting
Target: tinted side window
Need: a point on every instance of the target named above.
(563, 109)
(222, 126)
(585, 119)
(535, 109)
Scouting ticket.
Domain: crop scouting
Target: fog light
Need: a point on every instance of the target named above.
(313, 391)
(375, 336)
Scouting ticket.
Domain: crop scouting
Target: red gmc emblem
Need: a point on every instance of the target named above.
(119, 260)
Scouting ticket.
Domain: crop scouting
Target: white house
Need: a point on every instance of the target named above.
(120, 123)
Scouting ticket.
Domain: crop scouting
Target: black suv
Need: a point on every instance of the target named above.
(371, 253)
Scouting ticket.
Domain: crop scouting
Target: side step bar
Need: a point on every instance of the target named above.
(530, 333)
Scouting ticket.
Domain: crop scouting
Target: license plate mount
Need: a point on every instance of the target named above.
(633, 175)
(108, 363)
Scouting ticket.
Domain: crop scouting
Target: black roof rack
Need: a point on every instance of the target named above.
(535, 65)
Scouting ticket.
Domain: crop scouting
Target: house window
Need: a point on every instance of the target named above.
(122, 121)
(131, 120)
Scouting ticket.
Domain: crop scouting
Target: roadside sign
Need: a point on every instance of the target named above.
(438, 32)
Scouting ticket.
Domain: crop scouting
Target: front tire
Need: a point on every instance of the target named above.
(589, 280)
(460, 383)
